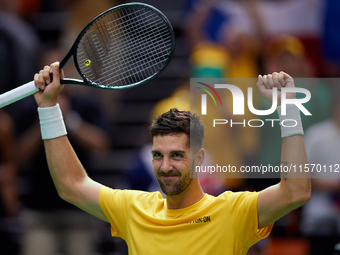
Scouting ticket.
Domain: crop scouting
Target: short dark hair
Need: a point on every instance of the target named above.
(176, 122)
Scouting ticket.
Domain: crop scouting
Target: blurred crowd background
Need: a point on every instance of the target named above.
(109, 129)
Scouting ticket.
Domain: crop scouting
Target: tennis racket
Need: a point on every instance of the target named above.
(123, 47)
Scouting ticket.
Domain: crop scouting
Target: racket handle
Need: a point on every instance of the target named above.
(18, 93)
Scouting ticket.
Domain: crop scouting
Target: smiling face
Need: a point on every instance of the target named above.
(171, 162)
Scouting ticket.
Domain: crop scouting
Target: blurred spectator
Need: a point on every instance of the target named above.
(29, 8)
(18, 47)
(320, 217)
(331, 37)
(81, 12)
(18, 50)
(246, 25)
(221, 47)
(9, 203)
(208, 27)
(286, 52)
(52, 225)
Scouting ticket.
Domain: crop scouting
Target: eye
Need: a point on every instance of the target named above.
(157, 155)
(177, 155)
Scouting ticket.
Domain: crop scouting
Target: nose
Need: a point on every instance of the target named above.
(166, 165)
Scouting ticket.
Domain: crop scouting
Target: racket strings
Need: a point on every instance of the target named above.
(130, 55)
(125, 47)
(130, 52)
(150, 38)
(149, 70)
(119, 70)
(135, 66)
(121, 36)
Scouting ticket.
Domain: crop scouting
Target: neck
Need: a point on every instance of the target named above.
(191, 195)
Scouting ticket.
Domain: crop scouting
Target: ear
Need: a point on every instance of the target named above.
(200, 157)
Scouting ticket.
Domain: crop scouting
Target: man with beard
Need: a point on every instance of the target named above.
(187, 221)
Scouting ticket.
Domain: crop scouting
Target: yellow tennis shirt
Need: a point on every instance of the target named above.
(226, 224)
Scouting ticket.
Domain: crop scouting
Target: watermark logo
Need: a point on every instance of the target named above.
(204, 97)
(238, 99)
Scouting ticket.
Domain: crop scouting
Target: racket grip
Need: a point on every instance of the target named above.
(18, 94)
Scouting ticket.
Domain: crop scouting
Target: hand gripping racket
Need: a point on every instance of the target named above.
(123, 47)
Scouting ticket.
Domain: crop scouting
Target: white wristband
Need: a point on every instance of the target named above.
(291, 122)
(51, 122)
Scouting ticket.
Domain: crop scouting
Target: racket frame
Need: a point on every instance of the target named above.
(73, 51)
(29, 88)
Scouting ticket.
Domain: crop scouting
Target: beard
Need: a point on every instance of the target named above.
(174, 186)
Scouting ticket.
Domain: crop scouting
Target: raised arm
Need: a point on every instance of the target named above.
(294, 189)
(68, 174)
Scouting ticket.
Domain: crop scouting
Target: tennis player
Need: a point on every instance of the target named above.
(187, 221)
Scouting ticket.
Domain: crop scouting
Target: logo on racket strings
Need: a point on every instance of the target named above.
(88, 63)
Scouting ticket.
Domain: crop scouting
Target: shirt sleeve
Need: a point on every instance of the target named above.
(115, 204)
(243, 211)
